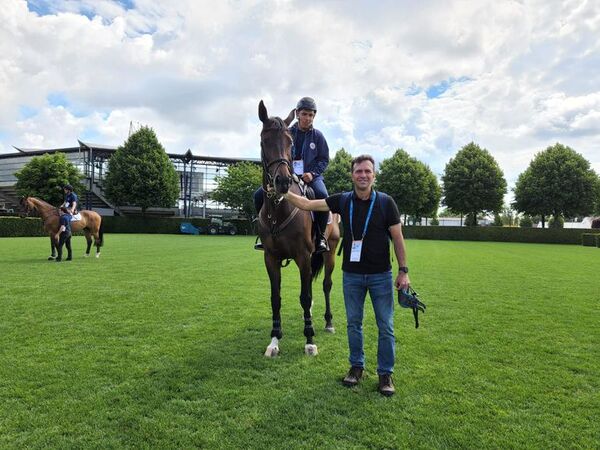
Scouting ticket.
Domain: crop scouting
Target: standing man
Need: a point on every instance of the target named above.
(368, 217)
(310, 154)
(63, 236)
(71, 200)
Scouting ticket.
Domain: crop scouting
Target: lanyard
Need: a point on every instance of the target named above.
(368, 215)
(301, 155)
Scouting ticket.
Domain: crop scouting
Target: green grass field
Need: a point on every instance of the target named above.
(159, 344)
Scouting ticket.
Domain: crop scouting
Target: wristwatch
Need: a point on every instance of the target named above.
(403, 269)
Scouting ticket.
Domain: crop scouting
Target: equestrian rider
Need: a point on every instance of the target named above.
(310, 154)
(71, 200)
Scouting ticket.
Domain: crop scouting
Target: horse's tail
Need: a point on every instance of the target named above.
(100, 241)
(316, 264)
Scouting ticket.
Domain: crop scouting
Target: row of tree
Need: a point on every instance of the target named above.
(558, 182)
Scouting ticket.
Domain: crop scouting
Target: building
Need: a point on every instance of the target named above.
(196, 174)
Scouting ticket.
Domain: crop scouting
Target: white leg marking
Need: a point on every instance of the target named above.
(273, 348)
(98, 255)
(330, 330)
(311, 350)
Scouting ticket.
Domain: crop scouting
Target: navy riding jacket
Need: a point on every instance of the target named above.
(312, 148)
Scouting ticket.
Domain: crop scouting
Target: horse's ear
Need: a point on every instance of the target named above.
(262, 112)
(290, 117)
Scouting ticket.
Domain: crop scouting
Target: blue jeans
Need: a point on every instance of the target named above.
(381, 290)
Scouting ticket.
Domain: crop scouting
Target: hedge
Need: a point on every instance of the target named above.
(590, 239)
(498, 234)
(13, 226)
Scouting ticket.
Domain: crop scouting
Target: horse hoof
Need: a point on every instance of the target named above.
(51, 258)
(330, 329)
(272, 352)
(273, 348)
(86, 255)
(311, 350)
(97, 255)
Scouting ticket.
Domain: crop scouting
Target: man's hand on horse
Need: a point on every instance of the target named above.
(307, 177)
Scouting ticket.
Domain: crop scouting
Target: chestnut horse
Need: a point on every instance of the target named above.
(90, 223)
(286, 231)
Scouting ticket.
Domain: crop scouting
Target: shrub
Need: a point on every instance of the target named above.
(14, 226)
(590, 239)
(556, 222)
(497, 234)
(526, 222)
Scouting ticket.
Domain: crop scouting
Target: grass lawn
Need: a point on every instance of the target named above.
(159, 343)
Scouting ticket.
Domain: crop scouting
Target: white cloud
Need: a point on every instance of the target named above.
(195, 71)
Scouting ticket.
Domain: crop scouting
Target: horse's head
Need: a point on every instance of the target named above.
(26, 207)
(276, 150)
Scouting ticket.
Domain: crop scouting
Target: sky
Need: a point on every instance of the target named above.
(428, 76)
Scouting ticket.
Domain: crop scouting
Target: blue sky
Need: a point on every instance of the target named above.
(515, 77)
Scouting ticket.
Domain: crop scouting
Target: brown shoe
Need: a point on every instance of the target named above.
(386, 385)
(353, 377)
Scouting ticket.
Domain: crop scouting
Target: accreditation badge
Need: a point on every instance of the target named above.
(356, 250)
(298, 166)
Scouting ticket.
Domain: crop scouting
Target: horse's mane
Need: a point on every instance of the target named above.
(45, 205)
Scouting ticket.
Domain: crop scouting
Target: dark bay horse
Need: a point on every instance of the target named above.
(90, 223)
(286, 231)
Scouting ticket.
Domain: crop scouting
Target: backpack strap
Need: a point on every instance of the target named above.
(383, 200)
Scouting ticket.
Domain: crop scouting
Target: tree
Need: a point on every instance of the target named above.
(411, 183)
(338, 176)
(236, 189)
(140, 173)
(556, 222)
(558, 182)
(508, 216)
(44, 176)
(526, 222)
(473, 182)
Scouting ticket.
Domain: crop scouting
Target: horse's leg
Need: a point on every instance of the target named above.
(306, 301)
(88, 238)
(327, 283)
(52, 249)
(273, 266)
(97, 243)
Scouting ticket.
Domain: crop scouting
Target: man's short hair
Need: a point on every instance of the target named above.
(361, 158)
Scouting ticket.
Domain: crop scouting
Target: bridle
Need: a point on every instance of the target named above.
(269, 174)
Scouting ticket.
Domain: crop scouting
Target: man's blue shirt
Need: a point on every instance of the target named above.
(65, 220)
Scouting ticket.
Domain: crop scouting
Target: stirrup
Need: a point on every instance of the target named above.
(321, 249)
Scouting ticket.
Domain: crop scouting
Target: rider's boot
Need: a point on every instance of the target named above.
(258, 245)
(321, 245)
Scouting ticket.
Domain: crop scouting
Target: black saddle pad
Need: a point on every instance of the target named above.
(310, 193)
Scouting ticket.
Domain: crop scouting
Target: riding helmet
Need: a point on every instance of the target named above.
(68, 186)
(306, 103)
